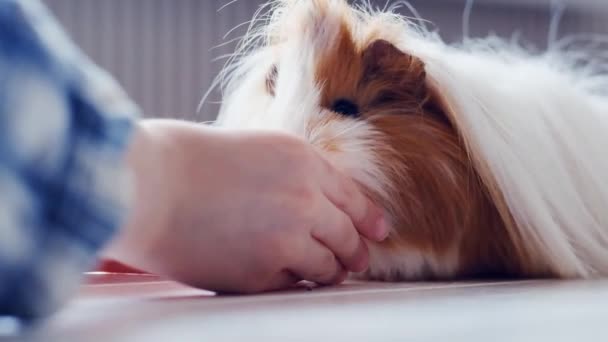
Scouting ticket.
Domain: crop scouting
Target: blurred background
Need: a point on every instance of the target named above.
(164, 52)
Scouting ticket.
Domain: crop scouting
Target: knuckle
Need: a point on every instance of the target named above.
(345, 230)
(348, 197)
(353, 202)
(327, 270)
(328, 260)
(352, 240)
(350, 260)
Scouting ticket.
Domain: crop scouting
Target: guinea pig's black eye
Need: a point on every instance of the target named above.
(345, 107)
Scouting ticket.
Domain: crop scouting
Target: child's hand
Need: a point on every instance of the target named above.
(242, 212)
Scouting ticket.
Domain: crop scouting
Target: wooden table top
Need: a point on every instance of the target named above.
(145, 308)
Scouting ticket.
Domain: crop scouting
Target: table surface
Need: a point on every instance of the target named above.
(146, 308)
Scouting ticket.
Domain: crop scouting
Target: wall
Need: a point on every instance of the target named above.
(161, 50)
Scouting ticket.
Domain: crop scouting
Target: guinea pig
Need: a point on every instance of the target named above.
(489, 160)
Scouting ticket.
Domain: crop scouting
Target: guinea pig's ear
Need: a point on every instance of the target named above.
(387, 66)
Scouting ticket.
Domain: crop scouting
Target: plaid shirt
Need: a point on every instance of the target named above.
(64, 186)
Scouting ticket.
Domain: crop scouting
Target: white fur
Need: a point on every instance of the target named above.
(543, 135)
(537, 123)
(410, 264)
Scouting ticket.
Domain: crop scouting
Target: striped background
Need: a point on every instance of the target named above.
(161, 50)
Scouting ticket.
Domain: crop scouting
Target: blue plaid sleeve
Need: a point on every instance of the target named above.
(64, 186)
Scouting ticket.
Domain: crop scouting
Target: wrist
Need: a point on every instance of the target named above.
(151, 158)
(161, 157)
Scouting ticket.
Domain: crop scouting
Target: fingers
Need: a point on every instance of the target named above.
(318, 264)
(337, 232)
(281, 280)
(344, 193)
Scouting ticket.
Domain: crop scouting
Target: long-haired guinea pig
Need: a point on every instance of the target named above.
(489, 160)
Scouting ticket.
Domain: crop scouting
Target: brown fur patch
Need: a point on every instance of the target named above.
(440, 199)
(339, 69)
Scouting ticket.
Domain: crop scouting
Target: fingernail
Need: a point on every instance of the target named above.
(382, 229)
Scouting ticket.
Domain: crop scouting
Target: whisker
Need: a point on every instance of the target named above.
(226, 5)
